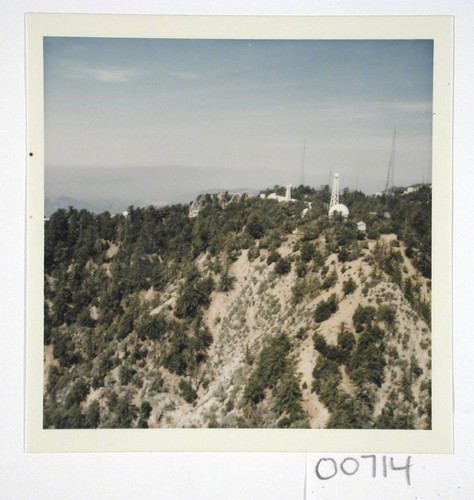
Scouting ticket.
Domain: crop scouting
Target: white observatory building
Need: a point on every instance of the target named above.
(334, 205)
(281, 199)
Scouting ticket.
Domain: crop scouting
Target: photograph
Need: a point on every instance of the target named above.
(237, 233)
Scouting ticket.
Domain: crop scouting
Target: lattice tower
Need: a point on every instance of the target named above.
(302, 163)
(391, 166)
(335, 191)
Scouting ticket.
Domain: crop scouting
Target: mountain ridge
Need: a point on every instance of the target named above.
(234, 319)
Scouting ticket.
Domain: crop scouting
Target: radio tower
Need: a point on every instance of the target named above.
(334, 205)
(335, 191)
(302, 163)
(391, 166)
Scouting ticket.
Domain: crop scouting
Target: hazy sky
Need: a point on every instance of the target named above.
(241, 105)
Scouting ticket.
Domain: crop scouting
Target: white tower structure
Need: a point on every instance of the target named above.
(288, 192)
(334, 205)
(335, 191)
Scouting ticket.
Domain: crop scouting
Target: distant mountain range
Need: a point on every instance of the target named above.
(53, 204)
(118, 206)
(116, 188)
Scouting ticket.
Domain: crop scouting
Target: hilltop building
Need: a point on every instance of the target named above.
(415, 188)
(281, 199)
(306, 210)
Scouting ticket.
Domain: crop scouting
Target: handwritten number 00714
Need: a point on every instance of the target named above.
(349, 466)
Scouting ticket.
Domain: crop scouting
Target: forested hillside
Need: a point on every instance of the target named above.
(248, 314)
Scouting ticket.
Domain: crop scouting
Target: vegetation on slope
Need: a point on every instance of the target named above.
(126, 299)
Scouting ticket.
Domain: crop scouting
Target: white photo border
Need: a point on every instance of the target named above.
(436, 28)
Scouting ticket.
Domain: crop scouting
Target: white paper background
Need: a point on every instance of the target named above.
(196, 476)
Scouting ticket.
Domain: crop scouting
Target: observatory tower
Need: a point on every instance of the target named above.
(334, 205)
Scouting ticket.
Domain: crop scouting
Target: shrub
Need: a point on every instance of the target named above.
(185, 351)
(253, 253)
(254, 390)
(273, 360)
(331, 352)
(326, 380)
(152, 327)
(340, 353)
(367, 362)
(144, 415)
(318, 260)
(272, 364)
(349, 413)
(308, 251)
(84, 318)
(349, 286)
(343, 254)
(178, 357)
(92, 417)
(125, 412)
(288, 395)
(415, 368)
(249, 357)
(125, 374)
(299, 290)
(319, 342)
(194, 295)
(301, 270)
(386, 314)
(274, 256)
(60, 418)
(424, 309)
(301, 334)
(284, 423)
(325, 309)
(77, 394)
(157, 383)
(329, 281)
(187, 391)
(345, 342)
(226, 282)
(363, 316)
(283, 266)
(255, 226)
(64, 351)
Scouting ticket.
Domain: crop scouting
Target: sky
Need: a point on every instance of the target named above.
(234, 111)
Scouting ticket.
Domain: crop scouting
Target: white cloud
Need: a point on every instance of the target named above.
(74, 70)
(110, 75)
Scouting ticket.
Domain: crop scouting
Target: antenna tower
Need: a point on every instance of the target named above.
(391, 166)
(335, 191)
(302, 163)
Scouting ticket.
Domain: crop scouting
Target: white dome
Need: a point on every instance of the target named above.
(342, 209)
